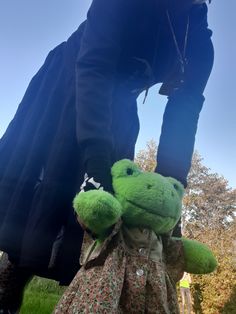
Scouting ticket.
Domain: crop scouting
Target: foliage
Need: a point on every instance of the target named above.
(209, 202)
(218, 289)
(146, 158)
(209, 216)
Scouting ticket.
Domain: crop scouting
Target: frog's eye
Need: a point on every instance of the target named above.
(129, 171)
(176, 187)
(124, 168)
(179, 188)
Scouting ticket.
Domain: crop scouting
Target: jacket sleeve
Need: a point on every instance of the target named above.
(95, 70)
(200, 52)
(184, 105)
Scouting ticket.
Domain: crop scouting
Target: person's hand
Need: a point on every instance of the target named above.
(97, 176)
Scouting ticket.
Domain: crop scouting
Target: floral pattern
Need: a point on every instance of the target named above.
(121, 277)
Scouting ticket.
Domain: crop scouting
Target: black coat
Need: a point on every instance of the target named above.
(86, 93)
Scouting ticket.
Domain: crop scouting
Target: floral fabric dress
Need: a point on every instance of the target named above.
(128, 273)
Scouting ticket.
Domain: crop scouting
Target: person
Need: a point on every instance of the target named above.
(185, 292)
(79, 115)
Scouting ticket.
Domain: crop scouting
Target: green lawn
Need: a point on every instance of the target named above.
(41, 296)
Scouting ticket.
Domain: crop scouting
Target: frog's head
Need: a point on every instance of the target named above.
(149, 200)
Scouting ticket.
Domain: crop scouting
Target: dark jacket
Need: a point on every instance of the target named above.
(82, 103)
(129, 47)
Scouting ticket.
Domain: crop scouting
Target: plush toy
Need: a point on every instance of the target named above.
(133, 263)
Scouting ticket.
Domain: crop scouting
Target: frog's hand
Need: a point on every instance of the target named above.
(97, 210)
(198, 257)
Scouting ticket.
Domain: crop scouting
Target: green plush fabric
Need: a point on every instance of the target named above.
(144, 200)
(198, 257)
(97, 211)
(148, 199)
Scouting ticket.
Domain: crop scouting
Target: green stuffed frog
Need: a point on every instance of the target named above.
(133, 264)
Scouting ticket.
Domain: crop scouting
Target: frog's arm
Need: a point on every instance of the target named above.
(98, 211)
(198, 257)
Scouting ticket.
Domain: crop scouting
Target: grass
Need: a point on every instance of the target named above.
(41, 296)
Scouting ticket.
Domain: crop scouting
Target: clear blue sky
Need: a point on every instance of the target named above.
(30, 28)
